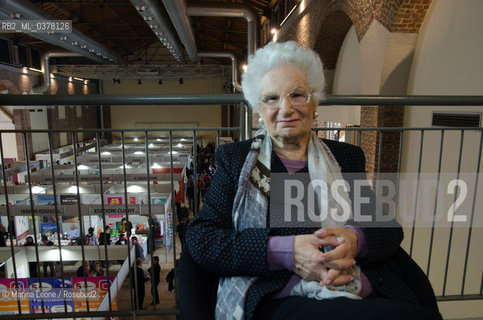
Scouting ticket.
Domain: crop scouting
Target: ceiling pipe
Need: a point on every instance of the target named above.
(234, 65)
(75, 41)
(177, 12)
(46, 69)
(230, 10)
(151, 13)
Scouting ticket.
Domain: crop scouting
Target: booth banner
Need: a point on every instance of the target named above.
(48, 226)
(47, 179)
(68, 199)
(11, 293)
(114, 200)
(93, 293)
(70, 210)
(45, 199)
(52, 294)
(158, 200)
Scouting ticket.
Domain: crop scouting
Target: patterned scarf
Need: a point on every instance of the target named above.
(250, 209)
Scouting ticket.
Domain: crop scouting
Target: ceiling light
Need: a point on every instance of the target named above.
(105, 153)
(82, 167)
(138, 152)
(135, 189)
(156, 19)
(37, 189)
(156, 166)
(136, 139)
(72, 189)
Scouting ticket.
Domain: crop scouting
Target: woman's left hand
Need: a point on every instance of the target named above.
(341, 258)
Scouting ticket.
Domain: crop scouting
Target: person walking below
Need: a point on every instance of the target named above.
(139, 250)
(139, 278)
(155, 271)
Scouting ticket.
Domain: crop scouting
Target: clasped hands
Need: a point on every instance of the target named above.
(329, 268)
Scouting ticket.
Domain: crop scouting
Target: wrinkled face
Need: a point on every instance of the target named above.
(284, 107)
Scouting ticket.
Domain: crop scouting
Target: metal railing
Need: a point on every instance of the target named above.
(407, 137)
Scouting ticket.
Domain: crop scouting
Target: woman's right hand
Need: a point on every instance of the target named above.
(309, 262)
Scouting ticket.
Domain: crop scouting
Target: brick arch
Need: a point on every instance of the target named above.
(331, 35)
(395, 15)
(10, 86)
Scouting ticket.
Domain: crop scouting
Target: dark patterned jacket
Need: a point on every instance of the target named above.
(219, 249)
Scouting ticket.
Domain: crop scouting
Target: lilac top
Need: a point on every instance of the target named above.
(280, 248)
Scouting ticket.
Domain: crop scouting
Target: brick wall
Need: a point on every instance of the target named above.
(323, 27)
(89, 115)
(410, 16)
(18, 83)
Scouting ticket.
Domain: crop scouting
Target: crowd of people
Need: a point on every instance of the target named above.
(205, 169)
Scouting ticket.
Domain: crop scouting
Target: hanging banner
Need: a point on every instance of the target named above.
(52, 294)
(93, 293)
(10, 294)
(169, 221)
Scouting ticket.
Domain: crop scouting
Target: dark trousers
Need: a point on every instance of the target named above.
(49, 264)
(140, 296)
(156, 293)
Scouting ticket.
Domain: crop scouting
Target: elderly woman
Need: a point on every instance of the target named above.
(268, 270)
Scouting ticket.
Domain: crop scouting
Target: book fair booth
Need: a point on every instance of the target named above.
(58, 198)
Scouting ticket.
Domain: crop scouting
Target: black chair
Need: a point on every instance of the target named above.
(198, 287)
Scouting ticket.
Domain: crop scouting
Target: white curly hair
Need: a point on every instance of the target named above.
(276, 54)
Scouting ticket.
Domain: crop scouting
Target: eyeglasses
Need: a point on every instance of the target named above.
(296, 98)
